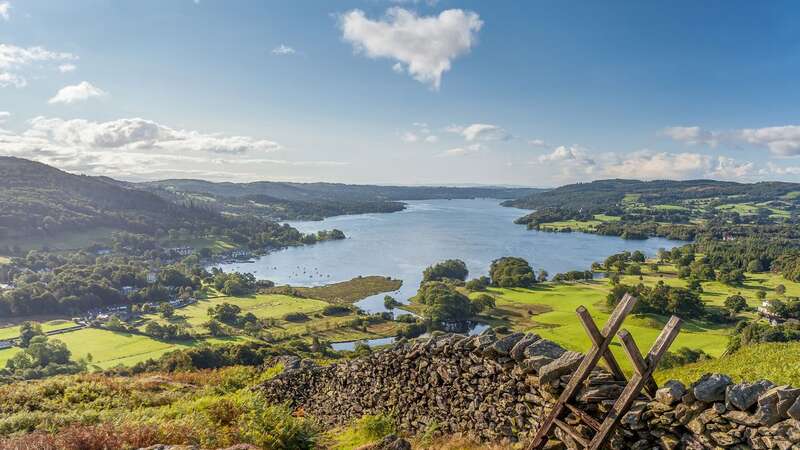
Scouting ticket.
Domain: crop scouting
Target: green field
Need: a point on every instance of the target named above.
(549, 310)
(352, 290)
(777, 362)
(11, 332)
(585, 226)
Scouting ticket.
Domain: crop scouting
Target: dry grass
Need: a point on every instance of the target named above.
(457, 443)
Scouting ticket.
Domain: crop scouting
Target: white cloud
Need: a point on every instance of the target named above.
(423, 46)
(783, 170)
(537, 143)
(421, 133)
(5, 11)
(410, 137)
(64, 68)
(283, 50)
(480, 132)
(730, 168)
(692, 135)
(140, 134)
(139, 148)
(649, 165)
(782, 141)
(77, 93)
(4, 115)
(564, 153)
(14, 60)
(462, 151)
(574, 163)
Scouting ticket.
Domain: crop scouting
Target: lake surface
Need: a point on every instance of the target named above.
(402, 244)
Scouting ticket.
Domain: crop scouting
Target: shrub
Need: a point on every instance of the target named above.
(295, 317)
(511, 272)
(452, 268)
(336, 310)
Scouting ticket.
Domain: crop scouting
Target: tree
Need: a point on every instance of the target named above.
(735, 304)
(755, 266)
(481, 303)
(478, 284)
(780, 289)
(761, 295)
(225, 312)
(454, 269)
(511, 272)
(637, 256)
(442, 303)
(166, 310)
(543, 276)
(27, 331)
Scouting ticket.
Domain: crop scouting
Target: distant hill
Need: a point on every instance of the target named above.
(312, 201)
(338, 192)
(605, 194)
(37, 199)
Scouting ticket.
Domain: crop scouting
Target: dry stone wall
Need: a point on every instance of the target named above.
(499, 389)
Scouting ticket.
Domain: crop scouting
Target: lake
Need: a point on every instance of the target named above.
(402, 244)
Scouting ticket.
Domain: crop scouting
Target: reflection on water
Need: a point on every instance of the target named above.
(402, 244)
(472, 330)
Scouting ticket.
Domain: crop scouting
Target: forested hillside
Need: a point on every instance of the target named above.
(605, 194)
(311, 201)
(337, 191)
(37, 199)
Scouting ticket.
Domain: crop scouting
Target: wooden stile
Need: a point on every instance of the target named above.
(642, 377)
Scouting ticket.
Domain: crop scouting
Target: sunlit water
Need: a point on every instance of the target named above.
(402, 244)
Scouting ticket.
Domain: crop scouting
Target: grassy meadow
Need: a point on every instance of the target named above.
(105, 348)
(549, 310)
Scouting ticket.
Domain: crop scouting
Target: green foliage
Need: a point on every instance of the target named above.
(776, 362)
(366, 430)
(681, 357)
(482, 302)
(511, 272)
(41, 358)
(225, 313)
(735, 303)
(336, 310)
(661, 299)
(478, 284)
(454, 269)
(443, 303)
(27, 331)
(750, 333)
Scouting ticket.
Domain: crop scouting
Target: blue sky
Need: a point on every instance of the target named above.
(404, 92)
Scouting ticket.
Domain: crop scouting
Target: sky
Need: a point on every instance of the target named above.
(529, 93)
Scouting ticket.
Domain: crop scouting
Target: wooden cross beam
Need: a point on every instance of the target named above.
(644, 369)
(642, 378)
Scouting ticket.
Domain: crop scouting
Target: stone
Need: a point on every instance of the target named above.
(671, 393)
(504, 345)
(391, 442)
(743, 396)
(794, 410)
(543, 347)
(742, 418)
(533, 364)
(518, 351)
(711, 388)
(565, 364)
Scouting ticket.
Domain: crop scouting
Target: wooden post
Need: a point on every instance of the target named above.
(642, 377)
(589, 362)
(644, 370)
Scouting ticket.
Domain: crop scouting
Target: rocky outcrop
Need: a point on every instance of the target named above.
(500, 389)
